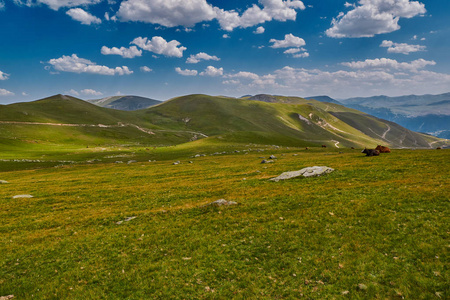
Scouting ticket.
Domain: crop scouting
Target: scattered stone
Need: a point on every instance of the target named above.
(131, 162)
(126, 220)
(6, 297)
(3, 182)
(176, 163)
(272, 157)
(305, 172)
(362, 286)
(221, 202)
(197, 155)
(22, 196)
(119, 162)
(267, 161)
(345, 293)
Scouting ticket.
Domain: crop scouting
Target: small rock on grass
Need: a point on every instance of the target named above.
(221, 202)
(305, 172)
(6, 297)
(3, 182)
(126, 220)
(362, 286)
(22, 196)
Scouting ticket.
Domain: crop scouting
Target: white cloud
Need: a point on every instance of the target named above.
(169, 13)
(4, 92)
(57, 4)
(289, 41)
(146, 69)
(159, 45)
(131, 52)
(346, 4)
(212, 71)
(402, 48)
(91, 92)
(2, 5)
(83, 16)
(73, 92)
(186, 72)
(172, 13)
(235, 82)
(259, 30)
(243, 74)
(389, 64)
(271, 10)
(373, 17)
(226, 36)
(78, 65)
(193, 59)
(3, 76)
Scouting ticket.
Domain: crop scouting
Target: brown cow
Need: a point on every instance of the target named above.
(324, 146)
(371, 152)
(383, 149)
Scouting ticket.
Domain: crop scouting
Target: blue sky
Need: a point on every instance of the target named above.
(166, 48)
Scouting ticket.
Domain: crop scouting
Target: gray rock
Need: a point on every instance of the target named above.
(126, 220)
(267, 161)
(272, 157)
(3, 182)
(362, 286)
(221, 202)
(176, 163)
(131, 161)
(305, 172)
(119, 162)
(22, 196)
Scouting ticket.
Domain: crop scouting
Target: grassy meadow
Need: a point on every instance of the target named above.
(375, 228)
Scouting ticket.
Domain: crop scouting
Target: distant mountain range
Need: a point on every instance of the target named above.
(424, 113)
(125, 102)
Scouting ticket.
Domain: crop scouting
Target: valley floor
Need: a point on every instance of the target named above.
(377, 227)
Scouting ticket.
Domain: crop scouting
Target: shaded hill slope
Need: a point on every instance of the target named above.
(127, 103)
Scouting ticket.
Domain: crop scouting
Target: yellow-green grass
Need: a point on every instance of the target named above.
(378, 221)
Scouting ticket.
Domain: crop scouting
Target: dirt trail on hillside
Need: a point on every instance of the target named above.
(145, 130)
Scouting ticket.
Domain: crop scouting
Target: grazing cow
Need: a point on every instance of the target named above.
(353, 148)
(383, 149)
(438, 148)
(324, 146)
(371, 152)
(306, 148)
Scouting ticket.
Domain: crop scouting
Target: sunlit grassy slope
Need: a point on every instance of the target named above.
(376, 228)
(64, 120)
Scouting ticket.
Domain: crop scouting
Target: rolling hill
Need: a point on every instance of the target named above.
(125, 102)
(289, 121)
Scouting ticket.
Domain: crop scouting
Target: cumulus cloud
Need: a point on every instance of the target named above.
(3, 76)
(146, 69)
(83, 16)
(131, 52)
(2, 5)
(289, 41)
(78, 65)
(169, 13)
(402, 48)
(193, 59)
(57, 4)
(387, 64)
(297, 52)
(271, 10)
(259, 30)
(159, 45)
(212, 71)
(373, 17)
(243, 74)
(73, 93)
(186, 72)
(91, 92)
(4, 92)
(172, 13)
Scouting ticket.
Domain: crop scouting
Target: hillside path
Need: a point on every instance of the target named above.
(147, 131)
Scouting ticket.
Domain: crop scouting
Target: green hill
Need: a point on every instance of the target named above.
(295, 121)
(289, 121)
(127, 103)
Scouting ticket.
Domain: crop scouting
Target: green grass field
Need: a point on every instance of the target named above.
(376, 228)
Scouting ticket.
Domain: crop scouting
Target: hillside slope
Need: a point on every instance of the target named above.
(127, 103)
(304, 122)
